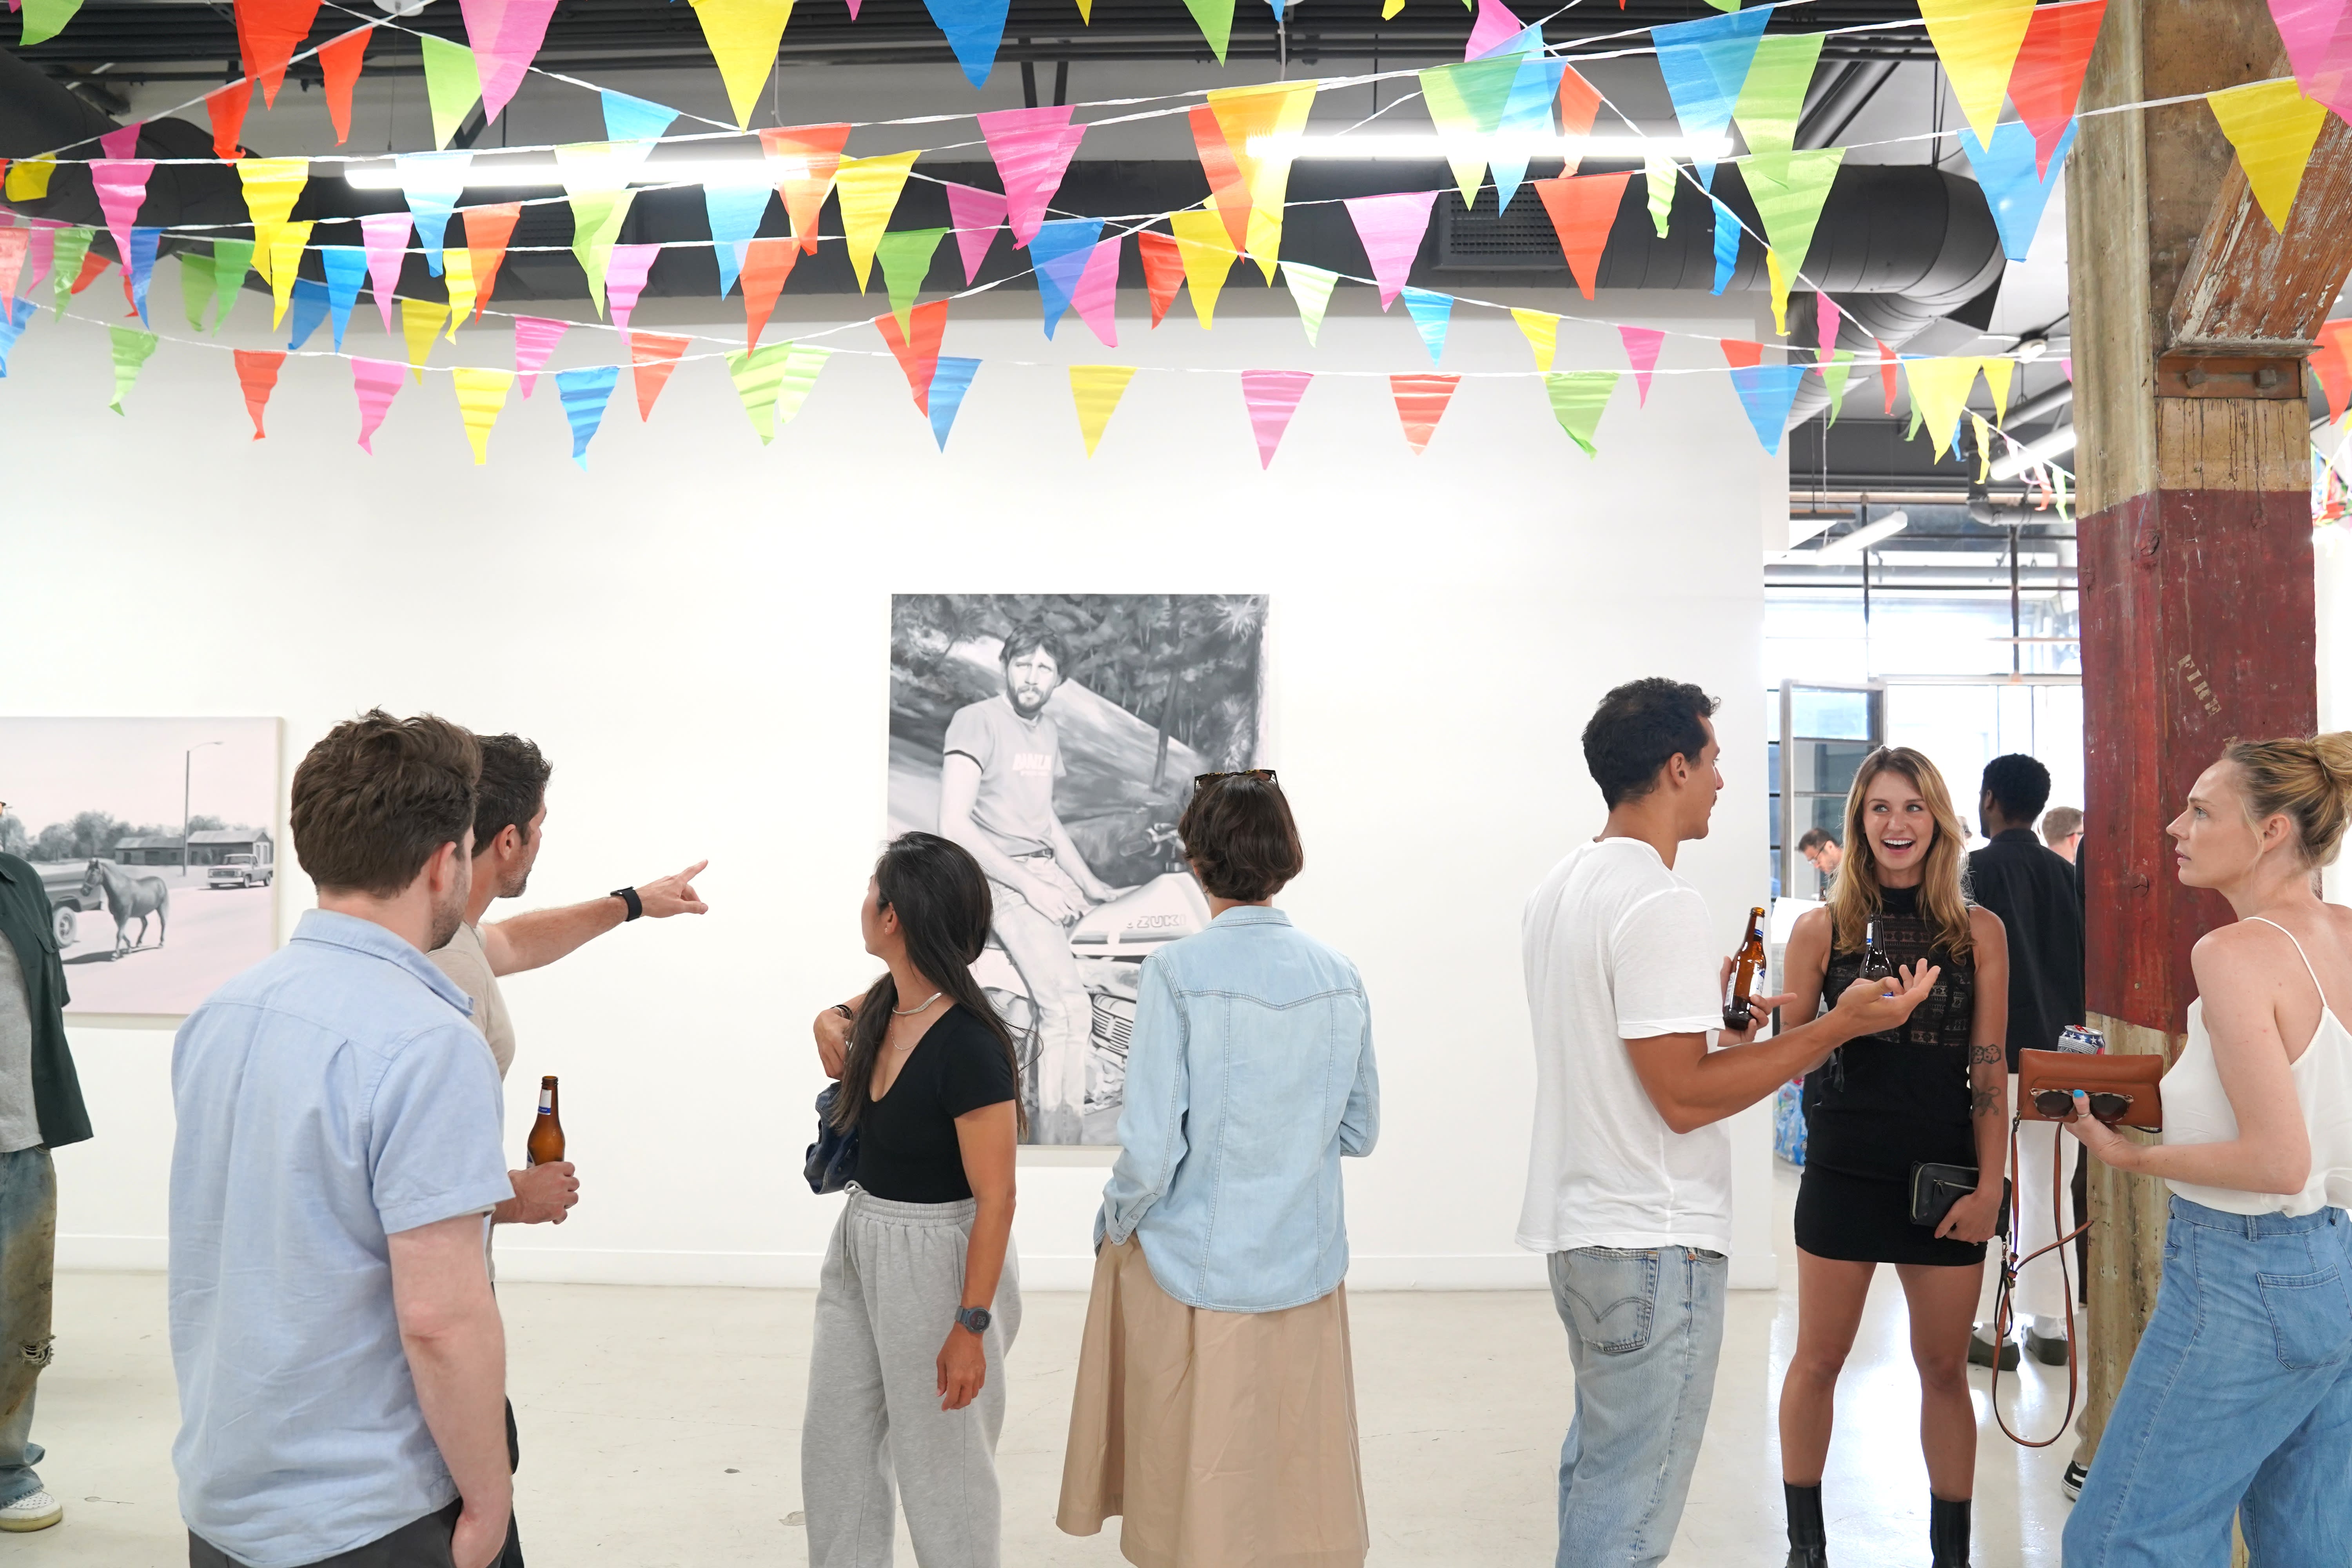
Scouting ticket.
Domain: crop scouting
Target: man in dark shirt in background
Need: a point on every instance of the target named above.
(2033, 891)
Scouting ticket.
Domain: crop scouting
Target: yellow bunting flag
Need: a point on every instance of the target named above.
(1939, 392)
(743, 36)
(2273, 128)
(1209, 256)
(457, 271)
(868, 191)
(28, 179)
(420, 320)
(1261, 127)
(1778, 272)
(271, 187)
(453, 85)
(286, 243)
(1977, 40)
(480, 394)
(1984, 447)
(1541, 329)
(1998, 375)
(1097, 389)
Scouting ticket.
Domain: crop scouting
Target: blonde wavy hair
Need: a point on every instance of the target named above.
(2307, 780)
(1855, 899)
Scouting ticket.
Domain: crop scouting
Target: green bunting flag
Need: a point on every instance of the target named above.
(195, 286)
(232, 259)
(596, 218)
(45, 19)
(453, 85)
(1658, 171)
(906, 258)
(131, 347)
(1773, 97)
(1466, 101)
(1788, 189)
(1310, 287)
(1577, 400)
(73, 245)
(1833, 377)
(1215, 20)
(774, 381)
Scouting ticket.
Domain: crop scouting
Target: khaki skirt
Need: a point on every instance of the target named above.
(1225, 1440)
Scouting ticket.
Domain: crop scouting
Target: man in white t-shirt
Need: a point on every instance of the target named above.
(1629, 1184)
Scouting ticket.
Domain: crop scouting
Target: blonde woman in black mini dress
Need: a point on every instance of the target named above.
(1934, 1091)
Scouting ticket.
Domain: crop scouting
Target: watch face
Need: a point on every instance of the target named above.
(976, 1318)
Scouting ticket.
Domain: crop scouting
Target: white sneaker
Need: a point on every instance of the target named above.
(37, 1511)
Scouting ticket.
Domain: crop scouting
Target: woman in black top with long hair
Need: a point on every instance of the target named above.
(1935, 1090)
(919, 1298)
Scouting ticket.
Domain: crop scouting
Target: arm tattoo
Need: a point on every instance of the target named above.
(1980, 1102)
(1985, 1056)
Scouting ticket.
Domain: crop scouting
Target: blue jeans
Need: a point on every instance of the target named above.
(28, 1247)
(2238, 1400)
(1644, 1331)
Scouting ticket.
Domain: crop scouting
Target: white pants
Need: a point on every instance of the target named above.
(2041, 1291)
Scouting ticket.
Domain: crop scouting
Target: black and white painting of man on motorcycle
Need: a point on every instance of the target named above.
(1066, 796)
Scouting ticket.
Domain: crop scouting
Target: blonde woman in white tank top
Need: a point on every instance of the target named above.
(2238, 1400)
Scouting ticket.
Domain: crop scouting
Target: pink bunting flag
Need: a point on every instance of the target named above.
(977, 215)
(1496, 27)
(121, 143)
(624, 279)
(1826, 315)
(2318, 39)
(521, 28)
(15, 244)
(385, 235)
(1390, 228)
(42, 253)
(1032, 148)
(1642, 350)
(1096, 298)
(375, 381)
(122, 191)
(535, 338)
(1272, 397)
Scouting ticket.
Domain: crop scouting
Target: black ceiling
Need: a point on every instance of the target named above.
(175, 40)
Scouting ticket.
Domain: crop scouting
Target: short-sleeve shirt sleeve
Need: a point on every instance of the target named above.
(977, 1072)
(434, 1132)
(1663, 968)
(970, 733)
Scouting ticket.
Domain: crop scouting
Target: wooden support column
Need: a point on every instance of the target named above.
(2191, 321)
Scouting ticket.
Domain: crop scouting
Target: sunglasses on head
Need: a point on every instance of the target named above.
(2058, 1104)
(1203, 781)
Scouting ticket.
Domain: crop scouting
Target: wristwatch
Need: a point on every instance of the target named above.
(629, 900)
(976, 1318)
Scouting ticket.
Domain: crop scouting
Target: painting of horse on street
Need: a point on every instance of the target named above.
(156, 841)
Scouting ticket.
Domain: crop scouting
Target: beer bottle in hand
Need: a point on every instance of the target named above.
(545, 1146)
(1874, 965)
(1747, 968)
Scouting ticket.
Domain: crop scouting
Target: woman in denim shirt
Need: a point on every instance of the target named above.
(1216, 1403)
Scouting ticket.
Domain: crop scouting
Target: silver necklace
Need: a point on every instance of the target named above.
(910, 1011)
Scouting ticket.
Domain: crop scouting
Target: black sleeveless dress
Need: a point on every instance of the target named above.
(1883, 1103)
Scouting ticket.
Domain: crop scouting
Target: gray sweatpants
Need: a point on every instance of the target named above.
(893, 1279)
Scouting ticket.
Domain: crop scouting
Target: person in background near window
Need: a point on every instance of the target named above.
(1629, 1180)
(40, 1110)
(510, 809)
(2033, 892)
(340, 1363)
(1822, 853)
(1001, 759)
(1932, 1092)
(2238, 1400)
(2062, 830)
(920, 1297)
(1216, 1402)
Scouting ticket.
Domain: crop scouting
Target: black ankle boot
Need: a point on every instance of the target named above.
(1948, 1531)
(1808, 1541)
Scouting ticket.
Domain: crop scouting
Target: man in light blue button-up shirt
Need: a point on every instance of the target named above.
(341, 1365)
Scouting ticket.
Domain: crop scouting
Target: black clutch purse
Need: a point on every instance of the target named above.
(1935, 1188)
(831, 1162)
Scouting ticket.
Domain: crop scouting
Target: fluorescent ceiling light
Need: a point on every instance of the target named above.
(2035, 453)
(1428, 147)
(1851, 547)
(489, 173)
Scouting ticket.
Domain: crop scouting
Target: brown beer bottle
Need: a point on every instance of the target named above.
(545, 1146)
(1747, 967)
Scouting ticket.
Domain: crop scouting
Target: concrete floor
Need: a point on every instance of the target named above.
(661, 1426)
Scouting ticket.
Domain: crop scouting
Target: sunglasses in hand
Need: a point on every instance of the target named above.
(2058, 1104)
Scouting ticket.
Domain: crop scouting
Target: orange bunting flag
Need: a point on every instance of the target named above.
(1583, 208)
(1163, 270)
(1739, 354)
(1889, 372)
(766, 264)
(1421, 402)
(1579, 103)
(917, 352)
(1228, 192)
(804, 159)
(339, 59)
(226, 109)
(652, 356)
(267, 34)
(1261, 127)
(488, 229)
(257, 372)
(2047, 81)
(1095, 390)
(2332, 358)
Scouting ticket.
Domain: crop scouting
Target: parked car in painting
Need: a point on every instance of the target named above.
(238, 871)
(70, 897)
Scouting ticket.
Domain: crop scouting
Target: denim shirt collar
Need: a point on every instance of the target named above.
(332, 930)
(1251, 915)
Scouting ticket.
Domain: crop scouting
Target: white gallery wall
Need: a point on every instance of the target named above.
(695, 630)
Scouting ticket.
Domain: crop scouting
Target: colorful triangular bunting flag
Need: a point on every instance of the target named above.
(1272, 397)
